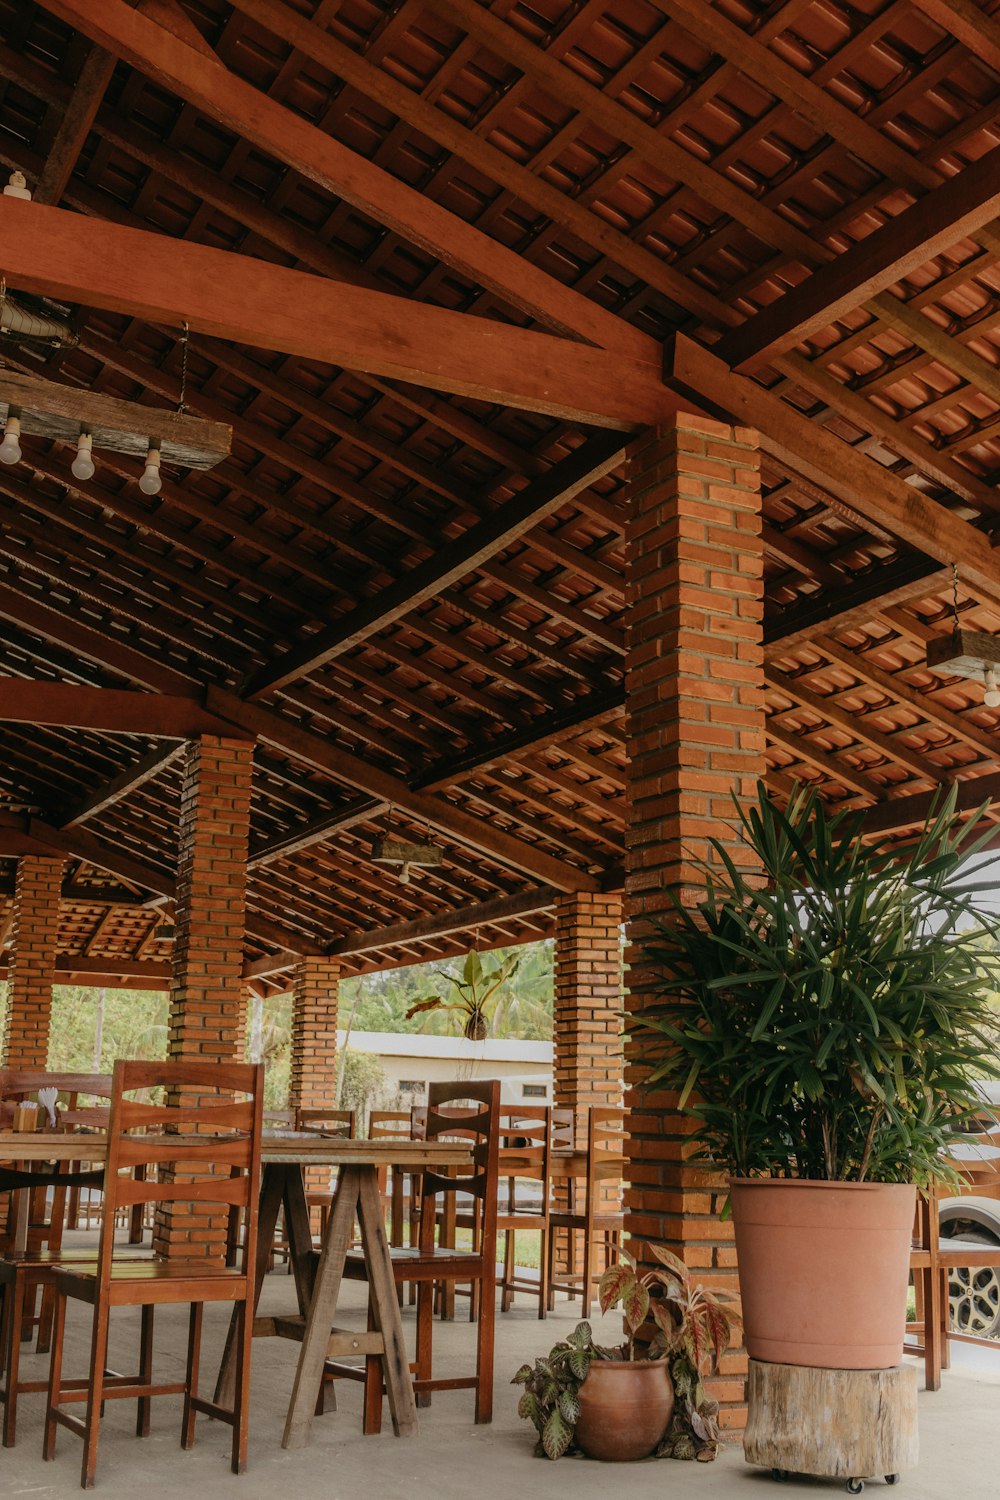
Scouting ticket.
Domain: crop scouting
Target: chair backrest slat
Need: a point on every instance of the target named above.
(210, 1140)
(465, 1112)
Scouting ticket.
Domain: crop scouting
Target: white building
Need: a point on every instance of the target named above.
(412, 1061)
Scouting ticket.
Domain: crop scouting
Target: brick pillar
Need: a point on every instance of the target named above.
(313, 1083)
(587, 1019)
(206, 987)
(33, 940)
(695, 699)
(588, 999)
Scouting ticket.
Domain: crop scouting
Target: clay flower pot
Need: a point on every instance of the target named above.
(824, 1268)
(625, 1408)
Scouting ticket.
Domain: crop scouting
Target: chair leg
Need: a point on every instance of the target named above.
(241, 1400)
(10, 1354)
(145, 1404)
(55, 1377)
(191, 1375)
(543, 1270)
(588, 1271)
(95, 1394)
(506, 1290)
(485, 1333)
(44, 1341)
(425, 1335)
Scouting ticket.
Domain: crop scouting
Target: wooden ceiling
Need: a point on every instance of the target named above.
(406, 580)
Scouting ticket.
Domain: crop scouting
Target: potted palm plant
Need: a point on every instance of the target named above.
(823, 1015)
(643, 1396)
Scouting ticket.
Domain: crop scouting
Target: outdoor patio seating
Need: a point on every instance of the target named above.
(217, 1170)
(451, 1115)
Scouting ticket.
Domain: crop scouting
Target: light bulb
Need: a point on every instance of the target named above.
(992, 695)
(10, 448)
(150, 483)
(82, 466)
(404, 875)
(17, 187)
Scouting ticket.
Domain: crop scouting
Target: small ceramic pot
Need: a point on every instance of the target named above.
(625, 1408)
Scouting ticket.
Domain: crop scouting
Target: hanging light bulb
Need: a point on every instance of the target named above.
(404, 875)
(82, 466)
(150, 483)
(17, 187)
(10, 448)
(992, 695)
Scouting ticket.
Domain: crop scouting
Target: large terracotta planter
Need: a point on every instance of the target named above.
(625, 1408)
(824, 1268)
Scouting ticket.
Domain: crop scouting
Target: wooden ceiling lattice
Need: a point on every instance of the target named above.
(407, 582)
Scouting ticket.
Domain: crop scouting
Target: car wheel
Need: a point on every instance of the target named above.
(973, 1291)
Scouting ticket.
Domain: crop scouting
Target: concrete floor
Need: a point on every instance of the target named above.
(450, 1459)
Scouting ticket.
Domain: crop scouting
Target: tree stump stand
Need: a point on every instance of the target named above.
(839, 1424)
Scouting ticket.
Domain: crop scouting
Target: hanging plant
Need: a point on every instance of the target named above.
(474, 994)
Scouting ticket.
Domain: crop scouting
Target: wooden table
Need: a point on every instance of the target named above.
(285, 1155)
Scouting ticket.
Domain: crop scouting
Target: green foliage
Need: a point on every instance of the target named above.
(380, 1002)
(692, 1326)
(549, 1400)
(363, 1083)
(824, 1012)
(134, 1024)
(474, 988)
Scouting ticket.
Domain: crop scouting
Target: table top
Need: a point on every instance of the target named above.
(289, 1148)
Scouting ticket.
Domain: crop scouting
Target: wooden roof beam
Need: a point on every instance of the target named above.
(863, 487)
(275, 728)
(444, 924)
(204, 82)
(55, 253)
(449, 564)
(303, 836)
(929, 226)
(302, 744)
(106, 710)
(84, 102)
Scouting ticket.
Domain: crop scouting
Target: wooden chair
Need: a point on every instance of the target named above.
(394, 1125)
(218, 1169)
(972, 1245)
(32, 1247)
(525, 1134)
(429, 1263)
(580, 1210)
(336, 1122)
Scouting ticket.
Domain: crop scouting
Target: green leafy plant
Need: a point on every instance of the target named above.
(693, 1327)
(690, 1326)
(549, 1399)
(824, 1008)
(474, 991)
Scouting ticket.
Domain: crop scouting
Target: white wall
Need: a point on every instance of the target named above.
(420, 1059)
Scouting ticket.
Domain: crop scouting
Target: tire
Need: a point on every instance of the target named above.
(973, 1291)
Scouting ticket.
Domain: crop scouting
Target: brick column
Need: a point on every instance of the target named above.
(587, 1021)
(33, 940)
(313, 1083)
(206, 986)
(694, 690)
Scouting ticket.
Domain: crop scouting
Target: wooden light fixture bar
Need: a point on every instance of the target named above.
(62, 411)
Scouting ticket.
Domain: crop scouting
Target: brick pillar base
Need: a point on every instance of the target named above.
(315, 989)
(587, 1022)
(34, 939)
(694, 692)
(206, 987)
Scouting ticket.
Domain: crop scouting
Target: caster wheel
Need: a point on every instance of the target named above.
(779, 1475)
(892, 1479)
(855, 1486)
